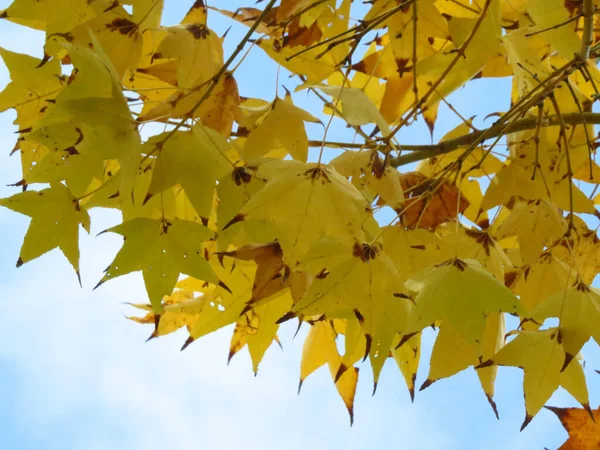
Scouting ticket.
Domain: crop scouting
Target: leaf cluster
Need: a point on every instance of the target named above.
(374, 239)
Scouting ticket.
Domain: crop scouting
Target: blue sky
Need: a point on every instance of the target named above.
(74, 374)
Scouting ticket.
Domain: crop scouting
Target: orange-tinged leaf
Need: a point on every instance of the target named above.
(428, 205)
(583, 426)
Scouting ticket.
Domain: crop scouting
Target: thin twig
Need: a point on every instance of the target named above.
(460, 52)
(215, 79)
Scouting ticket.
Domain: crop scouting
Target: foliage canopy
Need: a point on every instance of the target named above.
(384, 239)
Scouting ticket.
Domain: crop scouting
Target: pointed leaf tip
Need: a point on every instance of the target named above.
(152, 336)
(147, 198)
(426, 384)
(374, 388)
(369, 342)
(300, 325)
(587, 408)
(224, 286)
(493, 405)
(188, 341)
(19, 262)
(528, 419)
(287, 316)
(300, 385)
(156, 322)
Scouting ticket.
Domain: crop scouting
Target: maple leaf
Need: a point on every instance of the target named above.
(55, 219)
(536, 224)
(462, 293)
(282, 126)
(193, 159)
(582, 425)
(541, 356)
(181, 309)
(257, 328)
(320, 349)
(579, 321)
(162, 250)
(374, 235)
(331, 206)
(361, 280)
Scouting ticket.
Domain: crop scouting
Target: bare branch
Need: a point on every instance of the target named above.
(588, 30)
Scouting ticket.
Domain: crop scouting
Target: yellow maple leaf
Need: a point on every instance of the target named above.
(162, 250)
(578, 311)
(461, 293)
(541, 356)
(56, 216)
(282, 127)
(330, 206)
(320, 349)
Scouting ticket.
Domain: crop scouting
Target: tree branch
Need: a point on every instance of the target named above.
(419, 152)
(460, 53)
(587, 37)
(529, 123)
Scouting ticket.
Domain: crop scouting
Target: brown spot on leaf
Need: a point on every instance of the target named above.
(568, 358)
(322, 274)
(365, 251)
(360, 66)
(510, 277)
(487, 363)
(113, 5)
(359, 316)
(198, 30)
(581, 286)
(240, 175)
(318, 173)
(459, 264)
(377, 166)
(402, 66)
(299, 35)
(340, 372)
